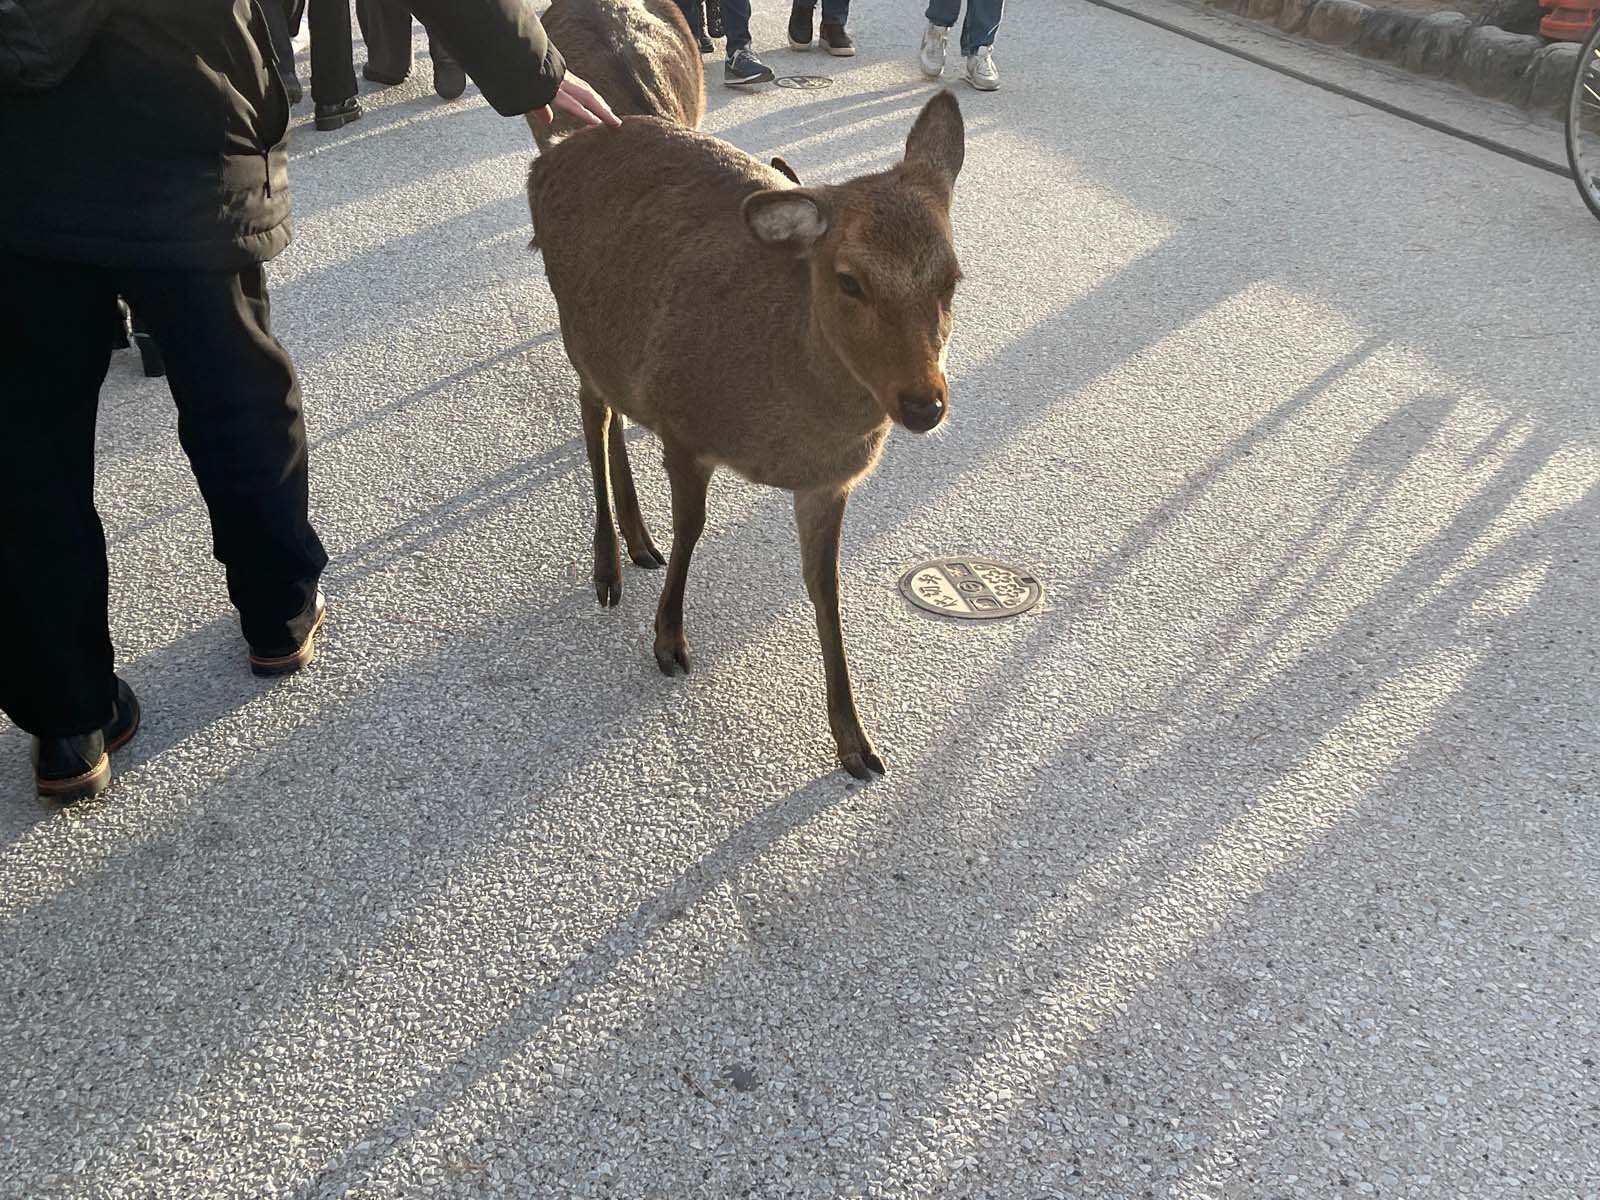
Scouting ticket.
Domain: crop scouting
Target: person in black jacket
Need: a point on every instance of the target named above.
(176, 210)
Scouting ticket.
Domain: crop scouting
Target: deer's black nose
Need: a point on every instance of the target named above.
(921, 411)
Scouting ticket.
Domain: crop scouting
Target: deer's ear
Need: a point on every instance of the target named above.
(786, 218)
(781, 164)
(939, 138)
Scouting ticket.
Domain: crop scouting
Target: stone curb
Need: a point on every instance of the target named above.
(1521, 68)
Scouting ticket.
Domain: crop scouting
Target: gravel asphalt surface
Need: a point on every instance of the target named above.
(1258, 861)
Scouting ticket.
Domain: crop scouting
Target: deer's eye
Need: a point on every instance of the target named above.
(851, 286)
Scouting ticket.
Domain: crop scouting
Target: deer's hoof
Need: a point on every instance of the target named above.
(608, 591)
(861, 760)
(648, 557)
(672, 654)
(863, 764)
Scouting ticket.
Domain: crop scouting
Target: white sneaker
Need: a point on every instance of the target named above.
(981, 73)
(932, 51)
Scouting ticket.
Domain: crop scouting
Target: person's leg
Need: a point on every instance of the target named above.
(449, 79)
(981, 25)
(941, 14)
(240, 424)
(386, 29)
(277, 15)
(742, 67)
(56, 671)
(736, 22)
(333, 73)
(832, 35)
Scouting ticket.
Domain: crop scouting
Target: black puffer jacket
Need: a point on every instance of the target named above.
(163, 148)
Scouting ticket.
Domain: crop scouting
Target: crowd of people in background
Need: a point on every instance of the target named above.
(386, 29)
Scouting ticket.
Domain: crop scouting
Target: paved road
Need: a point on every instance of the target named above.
(1259, 862)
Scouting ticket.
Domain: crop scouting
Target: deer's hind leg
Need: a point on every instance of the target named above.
(607, 554)
(640, 548)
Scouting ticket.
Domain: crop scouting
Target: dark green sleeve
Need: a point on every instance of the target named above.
(501, 45)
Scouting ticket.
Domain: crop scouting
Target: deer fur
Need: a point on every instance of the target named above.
(638, 54)
(834, 328)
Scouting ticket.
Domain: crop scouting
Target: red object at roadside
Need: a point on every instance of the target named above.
(1568, 21)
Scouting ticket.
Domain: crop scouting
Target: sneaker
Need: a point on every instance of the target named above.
(837, 40)
(707, 46)
(743, 68)
(800, 24)
(932, 52)
(980, 71)
(75, 768)
(269, 661)
(334, 116)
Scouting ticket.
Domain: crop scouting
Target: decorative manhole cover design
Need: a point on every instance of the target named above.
(973, 588)
(805, 83)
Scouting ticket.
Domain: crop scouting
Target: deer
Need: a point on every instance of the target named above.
(638, 54)
(842, 323)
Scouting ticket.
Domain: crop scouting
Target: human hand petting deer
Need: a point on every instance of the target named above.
(579, 101)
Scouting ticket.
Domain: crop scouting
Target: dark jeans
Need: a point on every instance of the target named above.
(240, 425)
(981, 25)
(735, 22)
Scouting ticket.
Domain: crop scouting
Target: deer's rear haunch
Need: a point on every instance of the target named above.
(638, 54)
(833, 328)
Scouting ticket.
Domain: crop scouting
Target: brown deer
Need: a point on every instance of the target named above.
(835, 329)
(638, 54)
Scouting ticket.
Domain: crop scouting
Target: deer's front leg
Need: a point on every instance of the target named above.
(689, 478)
(819, 516)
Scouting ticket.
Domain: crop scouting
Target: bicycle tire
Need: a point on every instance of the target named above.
(1585, 93)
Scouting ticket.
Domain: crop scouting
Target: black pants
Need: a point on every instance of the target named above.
(240, 425)
(386, 28)
(333, 72)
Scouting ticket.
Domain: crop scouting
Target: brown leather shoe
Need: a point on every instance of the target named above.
(269, 661)
(77, 767)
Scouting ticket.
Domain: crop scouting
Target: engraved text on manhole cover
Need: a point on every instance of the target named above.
(806, 83)
(974, 588)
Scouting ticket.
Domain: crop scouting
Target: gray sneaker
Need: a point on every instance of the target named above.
(980, 72)
(931, 52)
(743, 68)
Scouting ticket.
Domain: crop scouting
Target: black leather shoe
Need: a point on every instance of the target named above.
(334, 116)
(449, 80)
(268, 661)
(74, 768)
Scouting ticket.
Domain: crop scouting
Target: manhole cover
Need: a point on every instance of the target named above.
(805, 83)
(974, 588)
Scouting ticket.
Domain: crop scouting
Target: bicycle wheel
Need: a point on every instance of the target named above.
(1583, 123)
